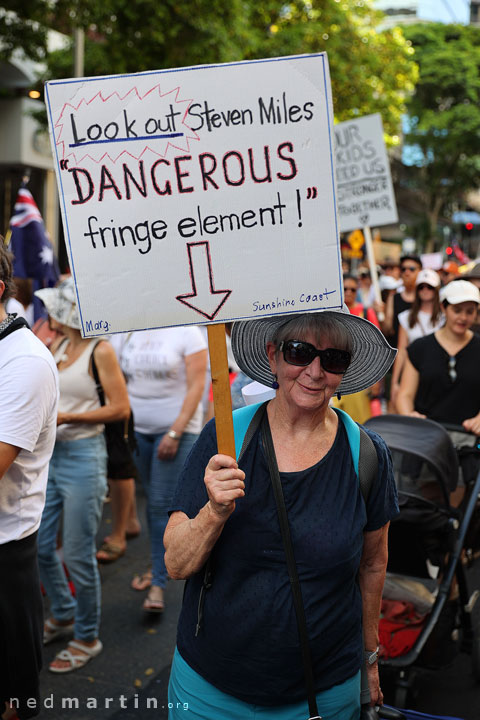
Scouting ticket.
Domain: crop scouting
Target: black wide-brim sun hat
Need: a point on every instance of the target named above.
(372, 356)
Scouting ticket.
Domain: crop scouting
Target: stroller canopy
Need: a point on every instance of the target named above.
(423, 438)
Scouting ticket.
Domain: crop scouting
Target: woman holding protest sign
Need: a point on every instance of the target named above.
(238, 649)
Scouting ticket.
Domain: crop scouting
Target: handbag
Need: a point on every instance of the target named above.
(367, 712)
(119, 434)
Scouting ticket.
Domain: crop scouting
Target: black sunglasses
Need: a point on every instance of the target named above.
(297, 352)
(412, 268)
(422, 286)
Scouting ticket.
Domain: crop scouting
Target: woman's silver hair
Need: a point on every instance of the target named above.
(321, 325)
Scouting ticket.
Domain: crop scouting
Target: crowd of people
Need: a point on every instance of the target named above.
(136, 408)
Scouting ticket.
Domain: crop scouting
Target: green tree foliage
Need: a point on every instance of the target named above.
(22, 26)
(371, 71)
(444, 115)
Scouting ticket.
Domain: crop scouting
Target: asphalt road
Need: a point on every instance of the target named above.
(130, 676)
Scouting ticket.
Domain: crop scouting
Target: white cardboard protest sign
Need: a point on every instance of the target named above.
(364, 184)
(198, 195)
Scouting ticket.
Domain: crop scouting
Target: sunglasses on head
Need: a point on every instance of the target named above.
(422, 286)
(297, 352)
(412, 268)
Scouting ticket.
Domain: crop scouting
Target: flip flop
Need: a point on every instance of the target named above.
(111, 552)
(52, 631)
(153, 606)
(76, 661)
(143, 581)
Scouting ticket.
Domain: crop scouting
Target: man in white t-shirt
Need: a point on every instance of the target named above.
(28, 419)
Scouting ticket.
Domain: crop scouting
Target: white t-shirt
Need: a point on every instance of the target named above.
(154, 364)
(422, 327)
(28, 420)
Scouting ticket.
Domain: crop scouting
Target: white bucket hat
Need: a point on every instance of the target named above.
(388, 282)
(372, 356)
(459, 291)
(61, 303)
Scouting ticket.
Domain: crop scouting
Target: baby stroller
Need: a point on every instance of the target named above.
(430, 543)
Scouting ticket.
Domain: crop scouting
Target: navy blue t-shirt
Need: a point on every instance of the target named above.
(248, 644)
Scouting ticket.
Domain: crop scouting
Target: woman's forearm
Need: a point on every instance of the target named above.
(371, 586)
(196, 369)
(398, 367)
(373, 567)
(103, 414)
(189, 542)
(189, 405)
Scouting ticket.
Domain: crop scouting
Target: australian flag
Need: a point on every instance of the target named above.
(32, 250)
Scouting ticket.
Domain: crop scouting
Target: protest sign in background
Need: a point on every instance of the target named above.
(198, 195)
(364, 184)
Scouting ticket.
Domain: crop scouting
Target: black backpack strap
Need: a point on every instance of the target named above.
(367, 464)
(252, 428)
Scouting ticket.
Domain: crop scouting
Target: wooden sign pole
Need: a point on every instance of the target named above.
(222, 399)
(373, 267)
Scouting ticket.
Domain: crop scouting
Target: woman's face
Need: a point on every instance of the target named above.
(460, 318)
(425, 292)
(309, 387)
(350, 288)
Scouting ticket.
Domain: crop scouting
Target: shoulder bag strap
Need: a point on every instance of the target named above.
(292, 568)
(96, 377)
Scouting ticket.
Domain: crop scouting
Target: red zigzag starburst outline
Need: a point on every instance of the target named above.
(59, 125)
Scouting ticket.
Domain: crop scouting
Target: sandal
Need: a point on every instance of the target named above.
(111, 552)
(143, 581)
(52, 631)
(76, 661)
(153, 606)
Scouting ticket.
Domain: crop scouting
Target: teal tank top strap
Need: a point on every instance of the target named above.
(353, 434)
(241, 420)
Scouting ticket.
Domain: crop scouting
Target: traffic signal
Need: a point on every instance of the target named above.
(469, 227)
(449, 250)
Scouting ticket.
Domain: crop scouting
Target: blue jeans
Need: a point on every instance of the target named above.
(193, 698)
(76, 486)
(159, 480)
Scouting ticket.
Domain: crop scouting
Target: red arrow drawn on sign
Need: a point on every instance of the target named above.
(207, 301)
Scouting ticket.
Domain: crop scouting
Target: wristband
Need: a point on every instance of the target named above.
(174, 435)
(371, 657)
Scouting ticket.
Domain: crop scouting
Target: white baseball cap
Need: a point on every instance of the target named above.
(459, 291)
(429, 277)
